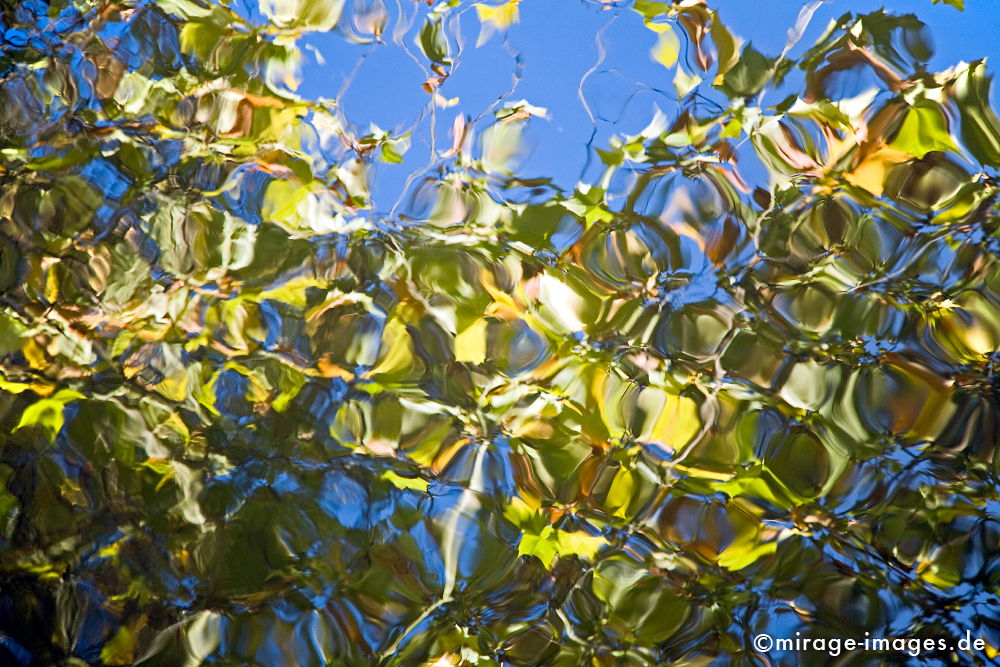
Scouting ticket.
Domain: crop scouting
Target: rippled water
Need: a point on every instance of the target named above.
(281, 387)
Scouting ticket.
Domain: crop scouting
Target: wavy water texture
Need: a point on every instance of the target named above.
(280, 386)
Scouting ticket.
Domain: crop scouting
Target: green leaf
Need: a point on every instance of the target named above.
(614, 578)
(742, 554)
(544, 545)
(120, 649)
(47, 413)
(433, 42)
(587, 203)
(980, 124)
(749, 75)
(550, 543)
(924, 129)
(726, 46)
(649, 9)
(685, 83)
(308, 14)
(11, 264)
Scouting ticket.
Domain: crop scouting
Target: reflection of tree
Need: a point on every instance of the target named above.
(251, 417)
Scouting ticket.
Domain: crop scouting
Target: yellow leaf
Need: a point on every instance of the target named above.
(470, 344)
(932, 574)
(400, 482)
(121, 648)
(519, 512)
(258, 390)
(396, 355)
(500, 16)
(34, 354)
(535, 429)
(740, 554)
(292, 292)
(51, 285)
(328, 369)
(282, 198)
(620, 493)
(552, 543)
(580, 543)
(18, 387)
(872, 171)
(167, 475)
(677, 422)
(177, 425)
(658, 26)
(494, 18)
(174, 387)
(667, 45)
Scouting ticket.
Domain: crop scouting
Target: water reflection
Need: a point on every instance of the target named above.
(259, 413)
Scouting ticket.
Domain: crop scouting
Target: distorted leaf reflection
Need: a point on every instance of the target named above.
(351, 332)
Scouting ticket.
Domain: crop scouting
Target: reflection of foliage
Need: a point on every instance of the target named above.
(251, 418)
